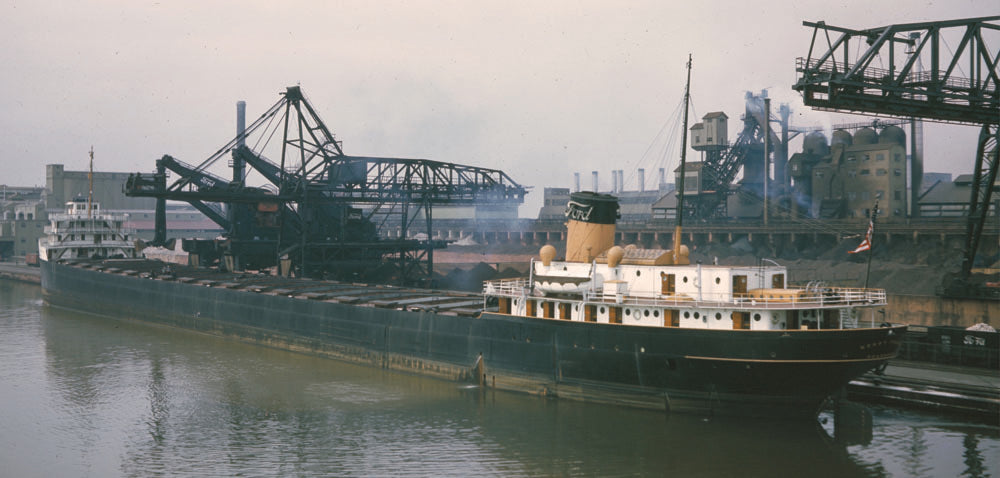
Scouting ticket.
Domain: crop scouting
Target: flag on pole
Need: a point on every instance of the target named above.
(867, 243)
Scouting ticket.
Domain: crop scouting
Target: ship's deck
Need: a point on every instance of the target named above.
(364, 295)
(791, 298)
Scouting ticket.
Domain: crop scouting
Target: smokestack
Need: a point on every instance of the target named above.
(595, 181)
(576, 182)
(663, 176)
(590, 225)
(621, 180)
(614, 181)
(241, 122)
(241, 129)
(642, 180)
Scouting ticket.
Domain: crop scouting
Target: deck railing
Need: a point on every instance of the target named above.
(797, 298)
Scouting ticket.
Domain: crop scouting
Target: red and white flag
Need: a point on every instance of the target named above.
(867, 243)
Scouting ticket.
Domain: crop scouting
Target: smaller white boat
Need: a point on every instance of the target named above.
(85, 232)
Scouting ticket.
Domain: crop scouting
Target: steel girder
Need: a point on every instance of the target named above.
(835, 78)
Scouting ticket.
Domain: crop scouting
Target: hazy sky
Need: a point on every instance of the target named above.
(538, 89)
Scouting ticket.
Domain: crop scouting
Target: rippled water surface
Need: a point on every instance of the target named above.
(88, 396)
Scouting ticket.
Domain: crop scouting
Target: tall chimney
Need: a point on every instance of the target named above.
(614, 181)
(595, 181)
(621, 180)
(576, 182)
(241, 129)
(663, 176)
(241, 122)
(590, 225)
(642, 180)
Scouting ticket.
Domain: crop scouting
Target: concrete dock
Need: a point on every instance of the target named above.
(963, 390)
(20, 272)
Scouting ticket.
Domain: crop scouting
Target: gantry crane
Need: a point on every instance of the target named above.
(313, 211)
(876, 71)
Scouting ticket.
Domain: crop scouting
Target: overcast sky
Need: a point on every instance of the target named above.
(537, 89)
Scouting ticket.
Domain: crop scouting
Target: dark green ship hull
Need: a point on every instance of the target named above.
(773, 373)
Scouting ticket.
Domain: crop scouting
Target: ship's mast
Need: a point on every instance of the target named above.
(90, 179)
(680, 185)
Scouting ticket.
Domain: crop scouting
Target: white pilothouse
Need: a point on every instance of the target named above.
(85, 232)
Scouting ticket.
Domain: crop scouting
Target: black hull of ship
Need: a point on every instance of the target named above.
(760, 373)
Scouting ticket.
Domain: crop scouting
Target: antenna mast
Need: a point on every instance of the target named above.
(680, 185)
(90, 179)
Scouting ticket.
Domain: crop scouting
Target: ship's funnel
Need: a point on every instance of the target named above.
(590, 225)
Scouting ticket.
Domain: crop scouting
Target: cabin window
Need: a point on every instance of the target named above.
(615, 316)
(656, 313)
(602, 310)
(628, 312)
(740, 320)
(685, 279)
(645, 313)
(696, 315)
(637, 273)
(778, 281)
(588, 313)
(504, 305)
(687, 314)
(756, 317)
(667, 283)
(564, 311)
(718, 280)
(739, 285)
(718, 316)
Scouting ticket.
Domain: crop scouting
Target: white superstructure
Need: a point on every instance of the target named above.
(685, 296)
(597, 281)
(83, 231)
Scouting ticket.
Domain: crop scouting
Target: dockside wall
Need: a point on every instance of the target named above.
(936, 311)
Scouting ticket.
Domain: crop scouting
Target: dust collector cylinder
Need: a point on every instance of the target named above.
(590, 225)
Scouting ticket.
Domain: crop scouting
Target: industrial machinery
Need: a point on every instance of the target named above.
(315, 211)
(877, 71)
(723, 163)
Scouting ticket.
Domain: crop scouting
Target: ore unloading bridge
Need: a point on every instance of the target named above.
(316, 211)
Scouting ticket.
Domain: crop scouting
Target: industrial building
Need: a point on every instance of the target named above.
(62, 185)
(846, 177)
(635, 206)
(24, 210)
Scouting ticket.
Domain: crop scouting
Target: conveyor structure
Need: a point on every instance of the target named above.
(312, 210)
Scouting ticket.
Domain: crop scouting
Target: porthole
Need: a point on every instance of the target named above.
(628, 312)
(687, 314)
(637, 273)
(602, 310)
(645, 313)
(656, 313)
(696, 315)
(756, 317)
(718, 316)
(685, 279)
(576, 307)
(718, 280)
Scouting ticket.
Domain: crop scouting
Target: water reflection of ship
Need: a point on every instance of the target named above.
(252, 395)
(82, 351)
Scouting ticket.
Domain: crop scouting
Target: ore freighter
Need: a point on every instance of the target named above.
(627, 326)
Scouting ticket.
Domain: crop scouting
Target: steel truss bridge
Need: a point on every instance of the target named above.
(910, 70)
(312, 210)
